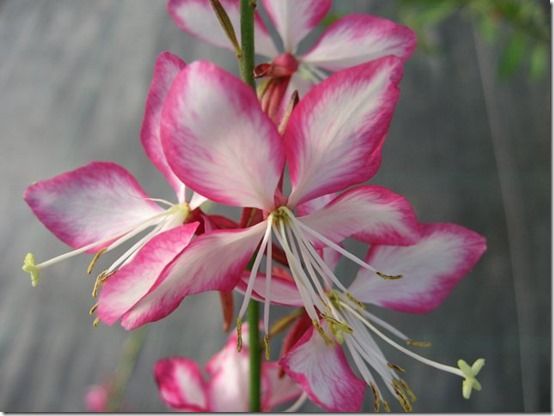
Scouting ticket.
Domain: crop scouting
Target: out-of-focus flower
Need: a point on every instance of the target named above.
(444, 254)
(96, 398)
(219, 142)
(349, 41)
(183, 386)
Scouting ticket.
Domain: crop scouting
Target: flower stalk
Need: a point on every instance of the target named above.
(246, 63)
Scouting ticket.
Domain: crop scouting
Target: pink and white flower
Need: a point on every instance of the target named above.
(184, 387)
(220, 143)
(350, 41)
(430, 269)
(100, 206)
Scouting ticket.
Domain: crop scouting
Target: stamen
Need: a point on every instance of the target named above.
(401, 396)
(341, 325)
(254, 270)
(239, 334)
(102, 277)
(95, 322)
(298, 274)
(376, 397)
(290, 106)
(418, 344)
(412, 354)
(268, 276)
(93, 309)
(339, 249)
(352, 299)
(267, 347)
(388, 276)
(396, 367)
(328, 340)
(94, 260)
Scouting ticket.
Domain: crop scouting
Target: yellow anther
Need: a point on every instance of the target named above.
(389, 276)
(328, 340)
(470, 382)
(239, 335)
(396, 367)
(376, 397)
(30, 267)
(341, 325)
(95, 322)
(401, 395)
(267, 347)
(102, 277)
(408, 390)
(93, 309)
(95, 260)
(418, 344)
(386, 406)
(352, 299)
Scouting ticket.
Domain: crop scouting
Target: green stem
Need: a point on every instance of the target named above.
(246, 62)
(255, 352)
(131, 350)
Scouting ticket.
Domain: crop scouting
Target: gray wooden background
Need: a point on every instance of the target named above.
(464, 147)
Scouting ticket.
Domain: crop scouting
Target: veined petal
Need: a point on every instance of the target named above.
(211, 123)
(324, 374)
(293, 19)
(165, 70)
(358, 38)
(372, 214)
(213, 261)
(280, 389)
(283, 290)
(181, 384)
(228, 387)
(197, 18)
(333, 134)
(430, 269)
(132, 281)
(94, 203)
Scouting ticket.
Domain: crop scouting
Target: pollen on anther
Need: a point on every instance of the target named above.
(389, 276)
(419, 344)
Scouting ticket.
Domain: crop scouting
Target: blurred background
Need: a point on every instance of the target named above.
(469, 144)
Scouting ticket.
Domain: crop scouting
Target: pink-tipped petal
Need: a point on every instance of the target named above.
(430, 269)
(324, 374)
(334, 134)
(372, 214)
(165, 70)
(283, 290)
(94, 203)
(211, 124)
(294, 19)
(181, 384)
(132, 281)
(281, 389)
(355, 39)
(212, 261)
(197, 18)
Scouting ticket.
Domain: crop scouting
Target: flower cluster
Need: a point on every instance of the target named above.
(298, 172)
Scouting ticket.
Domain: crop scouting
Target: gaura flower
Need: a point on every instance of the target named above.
(349, 41)
(183, 387)
(431, 267)
(98, 207)
(220, 143)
